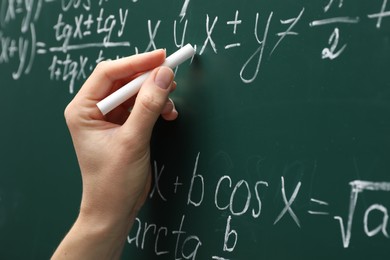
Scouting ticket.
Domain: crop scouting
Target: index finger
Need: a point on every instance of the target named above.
(106, 73)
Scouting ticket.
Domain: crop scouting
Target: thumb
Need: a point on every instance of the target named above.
(149, 104)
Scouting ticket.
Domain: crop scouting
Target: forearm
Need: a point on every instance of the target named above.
(93, 240)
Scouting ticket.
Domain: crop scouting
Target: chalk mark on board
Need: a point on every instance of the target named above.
(41, 46)
(357, 187)
(293, 22)
(259, 50)
(152, 35)
(327, 7)
(234, 22)
(229, 46)
(219, 258)
(331, 52)
(67, 48)
(209, 31)
(157, 176)
(289, 203)
(181, 44)
(380, 15)
(350, 20)
(380, 228)
(183, 11)
(320, 202)
(177, 183)
(311, 212)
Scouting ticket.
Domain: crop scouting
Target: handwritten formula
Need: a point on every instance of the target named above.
(75, 33)
(237, 198)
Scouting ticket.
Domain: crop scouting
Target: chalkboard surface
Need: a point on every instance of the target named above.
(281, 150)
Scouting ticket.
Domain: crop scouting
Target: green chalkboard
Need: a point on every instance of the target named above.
(281, 150)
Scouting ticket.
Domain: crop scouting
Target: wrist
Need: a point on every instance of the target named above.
(89, 239)
(92, 239)
(103, 225)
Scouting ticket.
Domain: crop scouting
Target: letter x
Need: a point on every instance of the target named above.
(288, 204)
(78, 22)
(152, 35)
(157, 176)
(209, 32)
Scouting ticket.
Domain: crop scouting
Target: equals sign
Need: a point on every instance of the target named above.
(41, 48)
(323, 203)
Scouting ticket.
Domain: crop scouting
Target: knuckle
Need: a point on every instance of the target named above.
(102, 65)
(151, 104)
(69, 115)
(102, 68)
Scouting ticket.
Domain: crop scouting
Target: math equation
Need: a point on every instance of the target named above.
(236, 198)
(86, 25)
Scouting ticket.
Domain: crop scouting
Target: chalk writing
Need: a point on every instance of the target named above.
(357, 187)
(244, 198)
(380, 15)
(289, 203)
(81, 31)
(259, 51)
(186, 246)
(320, 202)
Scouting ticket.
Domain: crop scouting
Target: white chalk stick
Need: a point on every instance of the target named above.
(131, 88)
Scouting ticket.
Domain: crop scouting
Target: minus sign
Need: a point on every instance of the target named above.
(319, 202)
(317, 212)
(349, 20)
(232, 45)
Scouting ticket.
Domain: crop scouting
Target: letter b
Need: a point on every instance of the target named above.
(229, 234)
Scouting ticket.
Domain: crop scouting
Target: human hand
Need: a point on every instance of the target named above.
(113, 150)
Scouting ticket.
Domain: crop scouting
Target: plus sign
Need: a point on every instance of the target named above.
(12, 48)
(177, 183)
(235, 22)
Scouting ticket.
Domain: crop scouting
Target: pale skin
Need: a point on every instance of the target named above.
(113, 152)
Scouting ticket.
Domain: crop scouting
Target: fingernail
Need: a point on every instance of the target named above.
(157, 50)
(164, 77)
